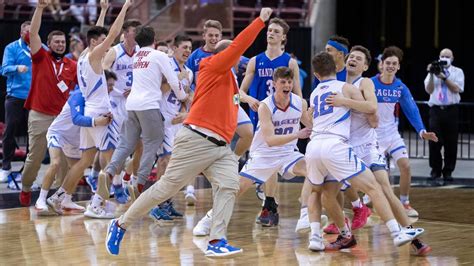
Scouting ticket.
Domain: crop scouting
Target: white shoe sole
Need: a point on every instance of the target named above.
(210, 253)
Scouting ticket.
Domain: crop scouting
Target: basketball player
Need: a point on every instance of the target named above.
(391, 90)
(328, 153)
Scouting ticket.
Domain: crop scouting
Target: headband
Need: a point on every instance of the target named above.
(338, 46)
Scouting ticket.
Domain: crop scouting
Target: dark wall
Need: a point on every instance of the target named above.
(10, 31)
(379, 23)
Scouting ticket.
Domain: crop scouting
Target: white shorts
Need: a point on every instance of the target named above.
(331, 157)
(371, 156)
(242, 117)
(260, 169)
(102, 138)
(69, 149)
(168, 141)
(393, 146)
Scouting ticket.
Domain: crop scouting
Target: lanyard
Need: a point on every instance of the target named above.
(56, 71)
(24, 51)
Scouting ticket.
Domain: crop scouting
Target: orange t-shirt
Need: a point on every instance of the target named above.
(216, 99)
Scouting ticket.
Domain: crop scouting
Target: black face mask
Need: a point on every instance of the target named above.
(56, 55)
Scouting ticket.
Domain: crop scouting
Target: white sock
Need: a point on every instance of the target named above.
(190, 189)
(94, 173)
(404, 199)
(96, 200)
(43, 195)
(315, 228)
(356, 204)
(393, 226)
(60, 193)
(303, 212)
(345, 231)
(117, 180)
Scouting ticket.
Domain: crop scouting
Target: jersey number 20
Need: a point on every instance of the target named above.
(320, 106)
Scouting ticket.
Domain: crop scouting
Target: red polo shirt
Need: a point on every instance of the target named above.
(45, 96)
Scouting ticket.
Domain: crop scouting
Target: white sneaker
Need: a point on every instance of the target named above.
(71, 206)
(203, 227)
(98, 212)
(4, 175)
(190, 199)
(55, 204)
(316, 243)
(303, 224)
(41, 208)
(409, 210)
(406, 235)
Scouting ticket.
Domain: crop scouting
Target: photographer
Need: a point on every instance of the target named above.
(444, 82)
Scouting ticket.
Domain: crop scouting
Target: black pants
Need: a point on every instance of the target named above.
(444, 122)
(16, 117)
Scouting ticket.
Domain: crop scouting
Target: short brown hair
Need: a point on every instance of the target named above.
(365, 51)
(323, 64)
(392, 51)
(55, 33)
(282, 73)
(24, 24)
(131, 23)
(280, 22)
(212, 24)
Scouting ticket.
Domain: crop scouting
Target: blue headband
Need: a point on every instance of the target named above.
(338, 46)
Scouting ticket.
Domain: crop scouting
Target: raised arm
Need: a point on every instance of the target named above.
(296, 77)
(244, 87)
(104, 6)
(35, 39)
(109, 59)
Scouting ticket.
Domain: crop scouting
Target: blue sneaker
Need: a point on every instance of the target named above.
(168, 207)
(120, 196)
(221, 249)
(92, 182)
(114, 237)
(159, 214)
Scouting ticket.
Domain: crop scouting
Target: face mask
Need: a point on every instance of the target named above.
(447, 60)
(56, 55)
(26, 37)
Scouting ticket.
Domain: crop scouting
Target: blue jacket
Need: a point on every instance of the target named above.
(15, 54)
(77, 104)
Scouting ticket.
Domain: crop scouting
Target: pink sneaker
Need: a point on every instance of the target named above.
(332, 228)
(360, 217)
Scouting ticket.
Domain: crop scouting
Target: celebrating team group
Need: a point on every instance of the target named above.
(182, 111)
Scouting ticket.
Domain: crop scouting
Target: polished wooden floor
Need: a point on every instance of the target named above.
(28, 239)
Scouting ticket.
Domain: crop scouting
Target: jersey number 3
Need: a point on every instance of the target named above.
(320, 106)
(130, 79)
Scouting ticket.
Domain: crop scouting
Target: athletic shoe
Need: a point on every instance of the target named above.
(259, 191)
(420, 248)
(168, 207)
(203, 227)
(360, 217)
(98, 212)
(72, 207)
(119, 194)
(114, 237)
(221, 249)
(55, 203)
(268, 218)
(316, 243)
(25, 198)
(92, 182)
(409, 210)
(341, 243)
(303, 224)
(159, 214)
(4, 175)
(41, 208)
(332, 228)
(406, 235)
(190, 199)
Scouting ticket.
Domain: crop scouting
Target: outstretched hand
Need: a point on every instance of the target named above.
(265, 13)
(43, 3)
(104, 4)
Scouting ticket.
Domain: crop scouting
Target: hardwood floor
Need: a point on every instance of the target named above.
(28, 239)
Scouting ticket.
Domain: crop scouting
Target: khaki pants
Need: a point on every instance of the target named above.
(192, 155)
(38, 124)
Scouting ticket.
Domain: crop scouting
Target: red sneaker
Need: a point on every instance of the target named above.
(25, 198)
(360, 217)
(341, 243)
(420, 248)
(332, 228)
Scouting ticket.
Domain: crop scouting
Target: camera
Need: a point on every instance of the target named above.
(437, 66)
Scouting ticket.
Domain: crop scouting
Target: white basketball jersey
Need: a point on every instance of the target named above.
(123, 67)
(361, 131)
(93, 87)
(117, 104)
(285, 122)
(169, 104)
(328, 120)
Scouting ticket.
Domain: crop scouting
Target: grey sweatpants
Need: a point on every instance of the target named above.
(192, 154)
(150, 126)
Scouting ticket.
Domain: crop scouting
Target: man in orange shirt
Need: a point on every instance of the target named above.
(202, 145)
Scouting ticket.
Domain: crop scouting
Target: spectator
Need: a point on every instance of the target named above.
(53, 76)
(16, 67)
(162, 47)
(443, 83)
(75, 49)
(81, 8)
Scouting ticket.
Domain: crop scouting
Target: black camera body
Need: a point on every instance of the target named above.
(437, 66)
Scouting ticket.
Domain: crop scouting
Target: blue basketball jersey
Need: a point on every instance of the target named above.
(193, 63)
(262, 84)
